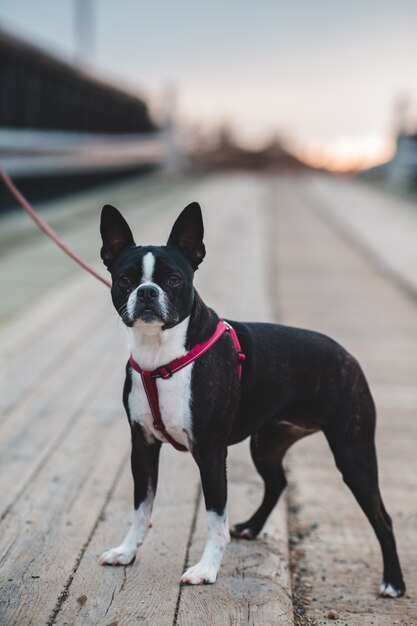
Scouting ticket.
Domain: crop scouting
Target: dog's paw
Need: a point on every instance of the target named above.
(122, 555)
(242, 531)
(199, 574)
(389, 590)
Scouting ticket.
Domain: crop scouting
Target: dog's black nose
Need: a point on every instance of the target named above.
(147, 292)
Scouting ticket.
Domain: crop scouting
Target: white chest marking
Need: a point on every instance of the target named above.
(151, 347)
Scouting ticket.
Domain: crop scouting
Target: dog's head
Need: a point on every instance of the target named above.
(153, 285)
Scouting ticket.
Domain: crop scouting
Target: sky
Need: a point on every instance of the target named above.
(322, 74)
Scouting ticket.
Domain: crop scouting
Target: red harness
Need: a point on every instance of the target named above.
(166, 371)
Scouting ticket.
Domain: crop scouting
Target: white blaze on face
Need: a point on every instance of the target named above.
(148, 267)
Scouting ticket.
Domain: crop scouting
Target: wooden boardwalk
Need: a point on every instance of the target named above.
(66, 486)
(64, 440)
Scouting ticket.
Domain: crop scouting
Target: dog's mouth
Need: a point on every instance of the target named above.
(145, 315)
(148, 315)
(154, 315)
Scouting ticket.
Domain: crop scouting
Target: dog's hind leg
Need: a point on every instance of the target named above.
(353, 448)
(268, 447)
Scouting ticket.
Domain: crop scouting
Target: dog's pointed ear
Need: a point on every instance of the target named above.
(115, 233)
(187, 234)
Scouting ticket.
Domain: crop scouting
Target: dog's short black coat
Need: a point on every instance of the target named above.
(295, 382)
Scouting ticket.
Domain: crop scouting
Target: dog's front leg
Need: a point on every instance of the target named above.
(144, 462)
(212, 465)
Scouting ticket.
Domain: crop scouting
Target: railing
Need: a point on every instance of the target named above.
(36, 153)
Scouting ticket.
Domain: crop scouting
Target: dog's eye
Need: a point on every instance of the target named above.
(123, 281)
(173, 280)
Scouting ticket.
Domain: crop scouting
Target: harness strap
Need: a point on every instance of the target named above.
(149, 384)
(240, 356)
(166, 371)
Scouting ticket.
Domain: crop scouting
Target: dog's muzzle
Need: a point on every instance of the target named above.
(150, 304)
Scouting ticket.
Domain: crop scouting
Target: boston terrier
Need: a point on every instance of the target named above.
(184, 387)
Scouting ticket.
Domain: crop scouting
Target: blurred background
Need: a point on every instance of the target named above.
(121, 87)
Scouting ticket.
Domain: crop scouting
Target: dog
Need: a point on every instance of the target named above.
(185, 386)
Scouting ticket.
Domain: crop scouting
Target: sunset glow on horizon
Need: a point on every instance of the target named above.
(348, 155)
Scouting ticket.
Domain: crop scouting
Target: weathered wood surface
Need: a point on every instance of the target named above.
(307, 250)
(254, 575)
(65, 478)
(338, 248)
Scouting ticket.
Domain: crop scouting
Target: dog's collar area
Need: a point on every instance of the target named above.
(168, 370)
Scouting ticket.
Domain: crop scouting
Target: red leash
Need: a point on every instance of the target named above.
(45, 228)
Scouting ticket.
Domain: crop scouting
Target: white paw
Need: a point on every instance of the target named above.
(388, 591)
(199, 574)
(122, 555)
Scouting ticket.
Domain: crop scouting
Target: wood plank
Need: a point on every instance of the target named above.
(364, 213)
(253, 584)
(31, 358)
(124, 597)
(77, 479)
(337, 555)
(80, 230)
(41, 316)
(37, 336)
(147, 592)
(238, 220)
(36, 427)
(48, 528)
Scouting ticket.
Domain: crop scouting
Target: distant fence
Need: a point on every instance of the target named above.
(39, 91)
(57, 120)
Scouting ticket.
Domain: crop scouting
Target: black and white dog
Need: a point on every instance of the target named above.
(295, 382)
